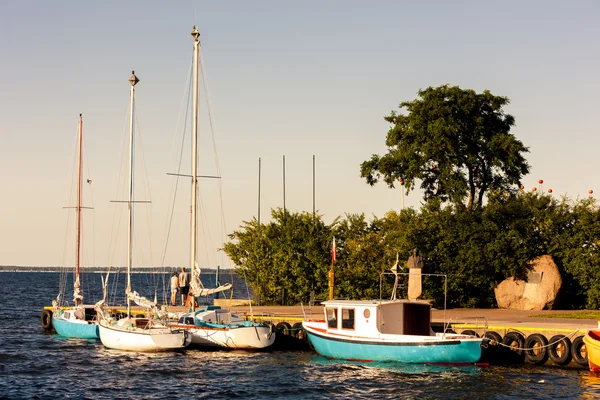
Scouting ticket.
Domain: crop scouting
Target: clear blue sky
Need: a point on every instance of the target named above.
(285, 78)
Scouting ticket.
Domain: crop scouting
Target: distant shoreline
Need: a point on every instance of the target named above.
(97, 270)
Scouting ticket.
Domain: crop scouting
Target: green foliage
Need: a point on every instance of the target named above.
(456, 142)
(285, 260)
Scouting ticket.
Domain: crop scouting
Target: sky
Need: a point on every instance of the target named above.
(293, 79)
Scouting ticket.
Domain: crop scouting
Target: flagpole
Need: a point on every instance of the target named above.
(331, 272)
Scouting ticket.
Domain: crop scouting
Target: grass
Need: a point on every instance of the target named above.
(572, 315)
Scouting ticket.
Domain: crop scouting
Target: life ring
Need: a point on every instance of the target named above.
(298, 330)
(515, 341)
(579, 352)
(470, 333)
(560, 349)
(536, 348)
(47, 320)
(283, 327)
(491, 335)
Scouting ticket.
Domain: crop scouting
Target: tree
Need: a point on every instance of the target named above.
(284, 260)
(456, 142)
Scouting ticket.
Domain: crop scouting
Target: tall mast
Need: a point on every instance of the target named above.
(77, 289)
(195, 112)
(133, 81)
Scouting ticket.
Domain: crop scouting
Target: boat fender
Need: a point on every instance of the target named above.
(536, 348)
(578, 351)
(493, 337)
(283, 327)
(559, 350)
(470, 333)
(47, 320)
(515, 341)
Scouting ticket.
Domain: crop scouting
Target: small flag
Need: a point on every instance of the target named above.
(333, 251)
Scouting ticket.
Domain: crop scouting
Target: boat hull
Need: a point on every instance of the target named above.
(77, 329)
(419, 350)
(239, 337)
(131, 338)
(592, 345)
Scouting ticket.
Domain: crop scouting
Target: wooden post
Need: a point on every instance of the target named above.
(331, 285)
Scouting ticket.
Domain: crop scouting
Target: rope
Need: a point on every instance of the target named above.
(175, 184)
(533, 348)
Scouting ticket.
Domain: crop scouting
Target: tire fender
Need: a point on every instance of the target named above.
(560, 349)
(536, 346)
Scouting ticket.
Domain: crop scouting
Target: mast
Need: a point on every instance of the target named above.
(133, 81)
(195, 116)
(78, 295)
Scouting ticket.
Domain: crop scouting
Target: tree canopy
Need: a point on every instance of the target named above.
(456, 142)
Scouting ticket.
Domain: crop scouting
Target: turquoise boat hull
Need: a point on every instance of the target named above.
(75, 330)
(442, 351)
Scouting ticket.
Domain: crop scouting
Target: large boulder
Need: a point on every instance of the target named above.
(537, 293)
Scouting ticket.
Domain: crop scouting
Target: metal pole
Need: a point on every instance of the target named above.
(133, 81)
(259, 166)
(284, 210)
(314, 219)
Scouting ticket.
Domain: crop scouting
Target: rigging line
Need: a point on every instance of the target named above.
(175, 184)
(62, 285)
(215, 152)
(118, 210)
(93, 245)
(205, 229)
(146, 185)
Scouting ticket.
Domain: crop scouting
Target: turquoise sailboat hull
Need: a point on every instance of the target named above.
(78, 330)
(443, 351)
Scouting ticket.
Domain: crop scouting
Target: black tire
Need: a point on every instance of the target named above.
(491, 335)
(46, 320)
(298, 331)
(579, 352)
(515, 341)
(560, 349)
(470, 333)
(284, 328)
(536, 349)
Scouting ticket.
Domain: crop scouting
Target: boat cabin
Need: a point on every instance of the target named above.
(211, 315)
(374, 317)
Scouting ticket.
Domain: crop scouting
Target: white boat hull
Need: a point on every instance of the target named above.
(126, 336)
(238, 337)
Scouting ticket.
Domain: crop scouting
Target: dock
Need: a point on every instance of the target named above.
(516, 336)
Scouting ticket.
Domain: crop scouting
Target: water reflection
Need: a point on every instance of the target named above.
(590, 385)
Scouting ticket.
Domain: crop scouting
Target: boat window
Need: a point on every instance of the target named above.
(332, 317)
(367, 313)
(67, 315)
(347, 318)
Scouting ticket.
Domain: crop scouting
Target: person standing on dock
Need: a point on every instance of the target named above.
(174, 288)
(184, 285)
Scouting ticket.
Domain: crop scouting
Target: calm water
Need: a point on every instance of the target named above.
(40, 365)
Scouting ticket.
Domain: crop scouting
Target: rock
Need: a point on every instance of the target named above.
(537, 293)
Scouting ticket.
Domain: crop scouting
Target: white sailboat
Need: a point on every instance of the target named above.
(133, 333)
(212, 326)
(79, 321)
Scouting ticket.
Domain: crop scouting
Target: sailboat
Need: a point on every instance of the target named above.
(79, 321)
(134, 333)
(212, 326)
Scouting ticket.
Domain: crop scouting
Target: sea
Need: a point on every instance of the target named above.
(36, 364)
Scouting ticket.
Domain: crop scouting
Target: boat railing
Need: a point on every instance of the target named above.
(396, 274)
(311, 303)
(478, 323)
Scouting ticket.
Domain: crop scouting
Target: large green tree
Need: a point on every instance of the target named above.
(456, 142)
